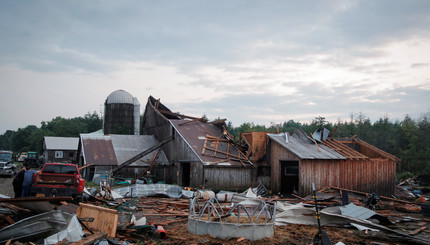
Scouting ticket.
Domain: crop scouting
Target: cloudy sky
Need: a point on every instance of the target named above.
(247, 61)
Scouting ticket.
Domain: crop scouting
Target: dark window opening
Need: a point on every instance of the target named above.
(289, 177)
(263, 171)
(185, 174)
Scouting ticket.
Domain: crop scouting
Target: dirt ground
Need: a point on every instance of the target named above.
(177, 232)
(289, 234)
(6, 187)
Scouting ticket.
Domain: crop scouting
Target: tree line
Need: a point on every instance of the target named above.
(408, 139)
(31, 137)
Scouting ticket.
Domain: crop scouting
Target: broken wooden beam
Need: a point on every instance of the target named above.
(364, 193)
(418, 230)
(90, 239)
(37, 199)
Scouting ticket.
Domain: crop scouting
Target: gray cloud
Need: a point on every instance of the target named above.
(192, 31)
(395, 103)
(419, 65)
(262, 45)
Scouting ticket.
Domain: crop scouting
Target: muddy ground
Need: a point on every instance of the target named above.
(6, 187)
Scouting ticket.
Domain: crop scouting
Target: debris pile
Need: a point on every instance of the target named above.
(169, 214)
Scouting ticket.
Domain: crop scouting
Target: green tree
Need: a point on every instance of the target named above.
(6, 140)
(20, 139)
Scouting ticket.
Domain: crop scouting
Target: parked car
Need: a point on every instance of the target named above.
(21, 156)
(6, 164)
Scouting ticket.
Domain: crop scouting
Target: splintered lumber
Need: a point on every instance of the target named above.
(36, 199)
(172, 221)
(105, 219)
(364, 193)
(90, 239)
(418, 230)
(179, 214)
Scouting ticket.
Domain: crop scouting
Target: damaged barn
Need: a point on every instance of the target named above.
(297, 160)
(100, 155)
(202, 154)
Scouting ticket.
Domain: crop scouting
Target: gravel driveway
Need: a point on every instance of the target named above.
(6, 187)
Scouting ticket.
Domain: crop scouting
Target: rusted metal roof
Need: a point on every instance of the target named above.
(112, 150)
(98, 150)
(194, 133)
(305, 148)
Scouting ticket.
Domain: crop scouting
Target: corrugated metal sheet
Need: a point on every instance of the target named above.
(98, 150)
(303, 147)
(194, 133)
(355, 211)
(112, 150)
(128, 146)
(61, 143)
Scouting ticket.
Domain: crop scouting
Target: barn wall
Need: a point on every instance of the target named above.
(278, 153)
(372, 175)
(177, 151)
(68, 156)
(229, 178)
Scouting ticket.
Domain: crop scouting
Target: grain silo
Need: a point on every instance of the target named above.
(121, 114)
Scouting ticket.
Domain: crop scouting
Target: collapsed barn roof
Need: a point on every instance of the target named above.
(208, 139)
(113, 150)
(304, 147)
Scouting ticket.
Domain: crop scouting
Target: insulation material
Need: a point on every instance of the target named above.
(145, 190)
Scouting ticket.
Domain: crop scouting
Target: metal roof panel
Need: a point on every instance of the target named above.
(304, 147)
(61, 143)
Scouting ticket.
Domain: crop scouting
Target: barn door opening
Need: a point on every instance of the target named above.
(289, 177)
(185, 166)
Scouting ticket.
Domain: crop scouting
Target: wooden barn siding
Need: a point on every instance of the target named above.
(278, 153)
(51, 156)
(229, 178)
(372, 176)
(176, 151)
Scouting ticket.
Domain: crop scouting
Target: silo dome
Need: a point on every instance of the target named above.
(122, 114)
(120, 97)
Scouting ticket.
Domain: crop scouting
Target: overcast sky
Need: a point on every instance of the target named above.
(247, 61)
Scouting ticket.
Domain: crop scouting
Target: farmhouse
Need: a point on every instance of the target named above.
(60, 149)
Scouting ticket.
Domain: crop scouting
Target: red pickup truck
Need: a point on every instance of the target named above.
(57, 179)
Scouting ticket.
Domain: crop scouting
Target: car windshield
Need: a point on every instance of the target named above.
(60, 169)
(6, 157)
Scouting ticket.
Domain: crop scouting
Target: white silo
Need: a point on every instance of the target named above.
(122, 114)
